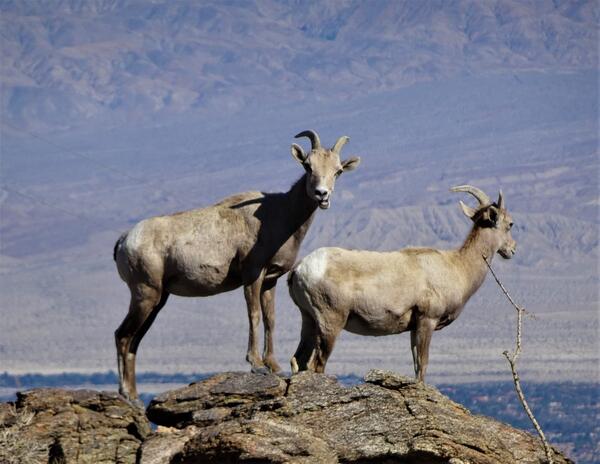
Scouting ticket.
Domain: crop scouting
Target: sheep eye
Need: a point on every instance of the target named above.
(510, 226)
(337, 174)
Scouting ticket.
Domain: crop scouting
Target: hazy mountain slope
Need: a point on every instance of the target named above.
(59, 286)
(174, 105)
(533, 136)
(65, 62)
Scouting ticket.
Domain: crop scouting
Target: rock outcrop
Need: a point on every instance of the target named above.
(253, 418)
(310, 418)
(58, 426)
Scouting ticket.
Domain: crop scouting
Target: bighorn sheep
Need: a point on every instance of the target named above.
(415, 289)
(249, 239)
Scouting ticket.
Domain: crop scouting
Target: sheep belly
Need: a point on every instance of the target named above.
(207, 283)
(378, 323)
(200, 274)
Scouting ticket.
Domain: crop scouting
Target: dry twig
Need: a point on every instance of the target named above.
(512, 360)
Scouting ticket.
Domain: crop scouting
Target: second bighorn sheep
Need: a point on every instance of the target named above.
(249, 240)
(382, 293)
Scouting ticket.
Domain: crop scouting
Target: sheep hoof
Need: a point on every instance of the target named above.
(272, 365)
(294, 366)
(136, 403)
(264, 370)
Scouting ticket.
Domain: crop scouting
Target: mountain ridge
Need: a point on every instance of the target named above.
(122, 59)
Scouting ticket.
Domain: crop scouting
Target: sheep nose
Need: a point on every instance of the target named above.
(321, 192)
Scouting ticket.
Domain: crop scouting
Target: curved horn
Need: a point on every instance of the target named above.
(483, 199)
(312, 135)
(343, 140)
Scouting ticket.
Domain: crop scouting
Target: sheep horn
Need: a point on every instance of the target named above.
(312, 135)
(483, 199)
(340, 143)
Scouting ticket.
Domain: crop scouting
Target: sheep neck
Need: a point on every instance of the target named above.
(471, 253)
(300, 209)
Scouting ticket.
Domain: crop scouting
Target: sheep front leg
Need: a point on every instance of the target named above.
(420, 338)
(267, 303)
(252, 295)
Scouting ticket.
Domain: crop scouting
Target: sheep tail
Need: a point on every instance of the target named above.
(117, 245)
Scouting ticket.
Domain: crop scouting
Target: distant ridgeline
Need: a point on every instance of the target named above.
(79, 380)
(33, 380)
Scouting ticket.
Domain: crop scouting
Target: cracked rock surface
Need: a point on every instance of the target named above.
(310, 418)
(77, 426)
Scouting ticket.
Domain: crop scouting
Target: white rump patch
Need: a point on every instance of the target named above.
(312, 268)
(134, 236)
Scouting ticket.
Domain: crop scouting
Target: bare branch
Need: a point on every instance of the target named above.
(517, 307)
(512, 361)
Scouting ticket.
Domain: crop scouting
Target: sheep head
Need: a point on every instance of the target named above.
(493, 219)
(323, 166)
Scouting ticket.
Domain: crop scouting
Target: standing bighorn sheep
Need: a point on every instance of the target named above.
(415, 289)
(249, 239)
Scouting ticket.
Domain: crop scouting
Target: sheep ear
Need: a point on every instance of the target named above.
(298, 153)
(490, 215)
(500, 201)
(469, 212)
(351, 163)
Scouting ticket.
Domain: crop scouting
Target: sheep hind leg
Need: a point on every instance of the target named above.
(326, 342)
(146, 302)
(301, 361)
(413, 349)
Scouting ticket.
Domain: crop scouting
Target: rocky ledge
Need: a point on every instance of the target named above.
(253, 418)
(236, 417)
(57, 426)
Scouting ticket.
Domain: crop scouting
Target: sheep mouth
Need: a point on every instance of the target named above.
(323, 204)
(506, 254)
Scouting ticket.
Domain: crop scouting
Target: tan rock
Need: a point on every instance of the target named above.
(312, 418)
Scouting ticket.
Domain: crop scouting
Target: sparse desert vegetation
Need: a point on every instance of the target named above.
(16, 447)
